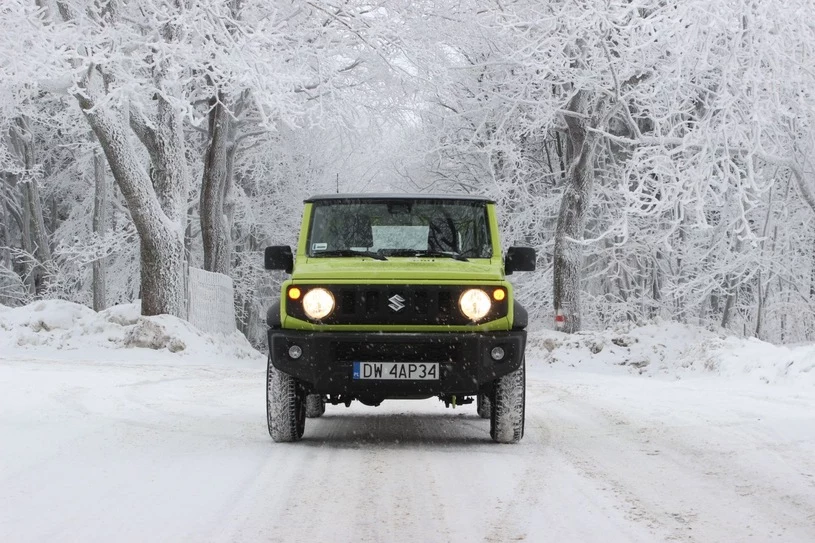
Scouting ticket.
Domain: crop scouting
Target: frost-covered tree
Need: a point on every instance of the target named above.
(658, 155)
(140, 74)
(608, 107)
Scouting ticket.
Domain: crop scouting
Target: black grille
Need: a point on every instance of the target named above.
(397, 304)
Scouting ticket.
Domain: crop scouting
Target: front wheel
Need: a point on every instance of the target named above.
(508, 407)
(285, 406)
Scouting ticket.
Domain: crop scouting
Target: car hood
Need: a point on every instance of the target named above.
(423, 269)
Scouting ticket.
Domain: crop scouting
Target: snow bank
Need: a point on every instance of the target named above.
(60, 330)
(65, 330)
(675, 350)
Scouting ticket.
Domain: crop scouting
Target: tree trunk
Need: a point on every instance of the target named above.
(729, 303)
(157, 207)
(810, 333)
(5, 236)
(568, 252)
(215, 189)
(807, 194)
(812, 280)
(5, 245)
(100, 206)
(731, 287)
(760, 306)
(39, 236)
(29, 268)
(163, 277)
(763, 291)
(656, 286)
(35, 236)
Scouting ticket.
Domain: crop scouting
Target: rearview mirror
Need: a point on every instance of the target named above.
(519, 259)
(278, 257)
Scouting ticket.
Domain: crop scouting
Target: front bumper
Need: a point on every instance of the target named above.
(465, 364)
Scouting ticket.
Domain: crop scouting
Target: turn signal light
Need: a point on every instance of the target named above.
(294, 293)
(499, 294)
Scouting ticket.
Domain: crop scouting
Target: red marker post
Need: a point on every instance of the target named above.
(560, 320)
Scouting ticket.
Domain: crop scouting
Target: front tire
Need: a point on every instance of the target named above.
(509, 406)
(315, 406)
(285, 406)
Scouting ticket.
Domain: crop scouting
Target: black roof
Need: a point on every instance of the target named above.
(398, 196)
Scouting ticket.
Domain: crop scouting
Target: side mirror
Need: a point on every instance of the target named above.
(278, 257)
(519, 259)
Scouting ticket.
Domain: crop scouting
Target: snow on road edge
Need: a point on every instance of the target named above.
(61, 330)
(675, 351)
(56, 329)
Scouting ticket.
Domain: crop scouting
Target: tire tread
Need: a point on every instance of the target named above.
(483, 405)
(509, 406)
(315, 406)
(285, 409)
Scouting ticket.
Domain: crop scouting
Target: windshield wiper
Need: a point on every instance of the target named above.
(413, 252)
(350, 252)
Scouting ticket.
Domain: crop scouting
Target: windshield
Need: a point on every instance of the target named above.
(400, 228)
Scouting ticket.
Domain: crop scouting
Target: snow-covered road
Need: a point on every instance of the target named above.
(101, 451)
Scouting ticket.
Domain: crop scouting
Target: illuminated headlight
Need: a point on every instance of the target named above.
(475, 304)
(318, 303)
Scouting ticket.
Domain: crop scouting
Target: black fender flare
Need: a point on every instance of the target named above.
(521, 318)
(273, 315)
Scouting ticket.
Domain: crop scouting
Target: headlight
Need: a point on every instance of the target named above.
(475, 304)
(318, 303)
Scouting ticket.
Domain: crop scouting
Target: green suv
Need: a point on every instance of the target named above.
(397, 297)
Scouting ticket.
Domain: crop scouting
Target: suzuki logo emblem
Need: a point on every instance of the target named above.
(396, 303)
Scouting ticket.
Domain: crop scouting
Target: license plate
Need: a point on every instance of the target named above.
(397, 371)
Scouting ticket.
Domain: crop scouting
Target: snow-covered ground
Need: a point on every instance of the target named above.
(674, 351)
(118, 428)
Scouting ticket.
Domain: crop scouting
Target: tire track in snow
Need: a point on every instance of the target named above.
(557, 490)
(689, 484)
(352, 482)
(567, 424)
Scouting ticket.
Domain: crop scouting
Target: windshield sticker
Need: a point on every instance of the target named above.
(319, 246)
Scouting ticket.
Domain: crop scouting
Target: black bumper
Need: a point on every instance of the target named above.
(465, 364)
